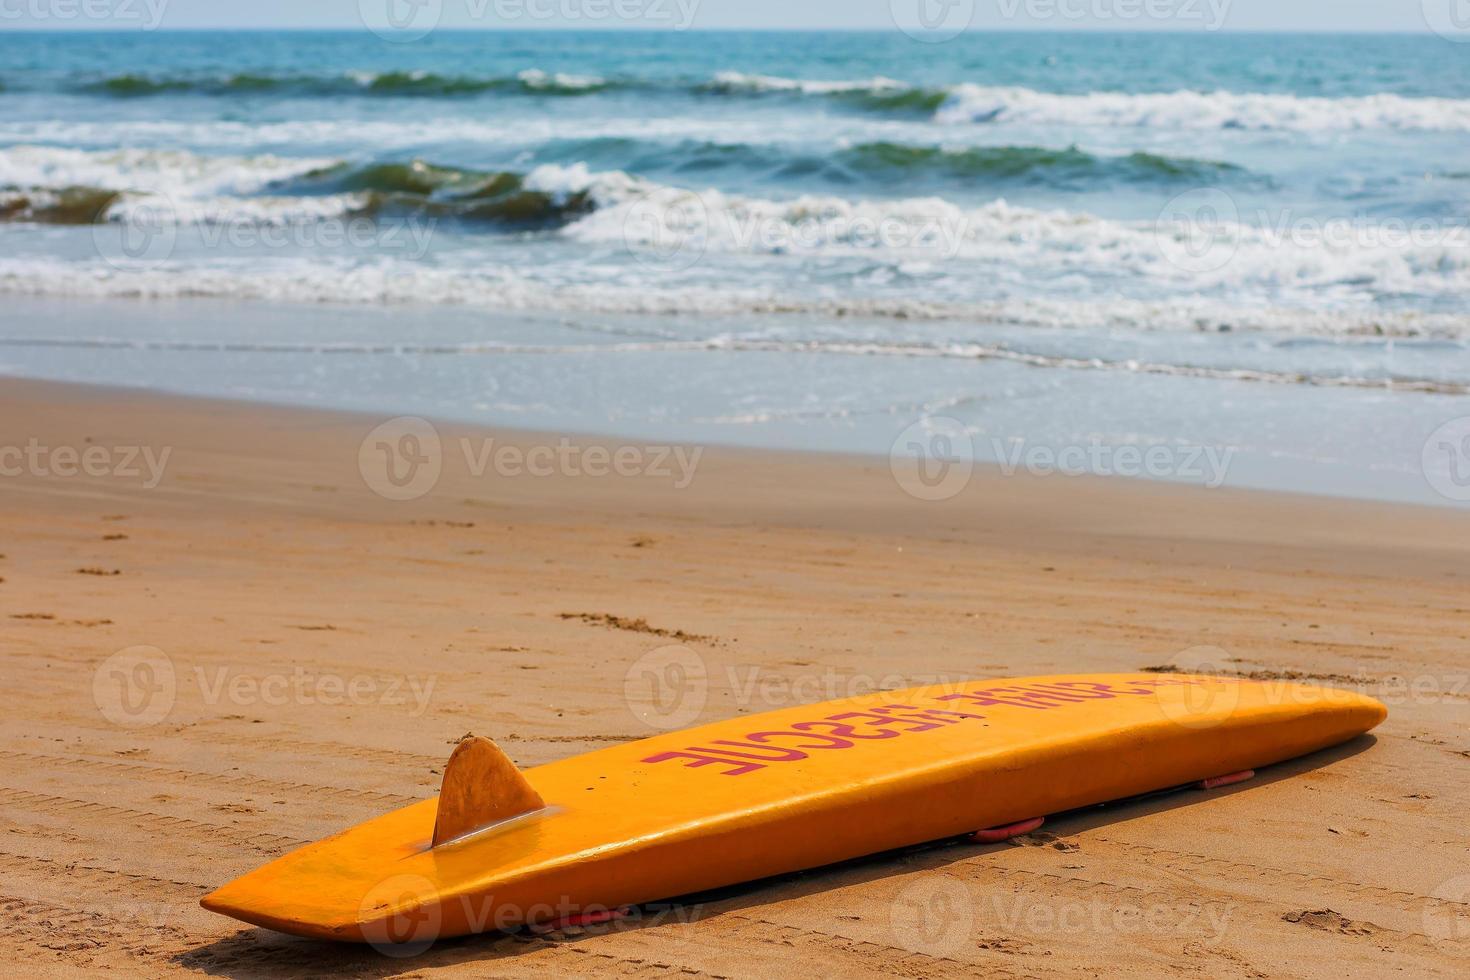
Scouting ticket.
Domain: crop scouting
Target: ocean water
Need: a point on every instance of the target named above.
(1246, 242)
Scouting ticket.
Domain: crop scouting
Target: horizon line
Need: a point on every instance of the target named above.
(342, 29)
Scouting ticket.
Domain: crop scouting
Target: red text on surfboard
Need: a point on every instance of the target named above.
(848, 729)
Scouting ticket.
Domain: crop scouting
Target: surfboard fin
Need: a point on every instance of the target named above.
(481, 786)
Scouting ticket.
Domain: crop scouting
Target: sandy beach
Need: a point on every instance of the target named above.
(317, 648)
(576, 374)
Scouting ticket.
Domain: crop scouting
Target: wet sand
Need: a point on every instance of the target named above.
(328, 645)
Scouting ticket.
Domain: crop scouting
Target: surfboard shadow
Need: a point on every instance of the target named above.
(260, 953)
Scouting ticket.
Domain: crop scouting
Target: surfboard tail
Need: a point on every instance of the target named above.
(481, 786)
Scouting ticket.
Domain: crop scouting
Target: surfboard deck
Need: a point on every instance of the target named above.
(759, 795)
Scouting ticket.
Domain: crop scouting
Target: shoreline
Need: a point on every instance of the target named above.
(327, 645)
(1084, 496)
(551, 373)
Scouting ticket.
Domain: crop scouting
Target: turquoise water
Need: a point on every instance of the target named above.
(989, 174)
(1273, 226)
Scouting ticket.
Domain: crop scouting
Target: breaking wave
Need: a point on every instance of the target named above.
(48, 185)
(389, 83)
(962, 104)
(907, 257)
(974, 104)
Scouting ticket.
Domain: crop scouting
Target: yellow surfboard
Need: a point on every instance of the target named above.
(765, 794)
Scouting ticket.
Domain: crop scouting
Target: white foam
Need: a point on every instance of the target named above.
(1311, 266)
(535, 78)
(743, 81)
(177, 173)
(485, 285)
(1185, 109)
(357, 135)
(606, 187)
(1202, 110)
(660, 249)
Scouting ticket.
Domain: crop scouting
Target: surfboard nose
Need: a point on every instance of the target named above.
(364, 892)
(262, 905)
(332, 888)
(1340, 714)
(1375, 712)
(1363, 712)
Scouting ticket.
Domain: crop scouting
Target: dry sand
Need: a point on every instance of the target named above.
(274, 580)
